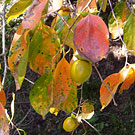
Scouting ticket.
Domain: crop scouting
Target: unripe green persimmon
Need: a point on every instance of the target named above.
(70, 124)
(81, 71)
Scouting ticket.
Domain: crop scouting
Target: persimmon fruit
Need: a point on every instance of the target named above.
(70, 124)
(81, 71)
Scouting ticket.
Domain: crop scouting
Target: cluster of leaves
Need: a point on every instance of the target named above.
(41, 46)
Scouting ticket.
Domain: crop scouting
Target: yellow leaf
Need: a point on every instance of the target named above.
(17, 9)
(130, 79)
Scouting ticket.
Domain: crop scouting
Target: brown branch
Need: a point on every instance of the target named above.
(105, 84)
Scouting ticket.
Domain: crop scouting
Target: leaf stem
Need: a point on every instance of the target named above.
(105, 84)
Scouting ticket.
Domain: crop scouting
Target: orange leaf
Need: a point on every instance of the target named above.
(130, 79)
(43, 48)
(2, 97)
(4, 127)
(63, 84)
(82, 3)
(113, 82)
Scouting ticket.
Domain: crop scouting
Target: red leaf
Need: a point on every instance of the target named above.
(94, 42)
(34, 14)
(4, 127)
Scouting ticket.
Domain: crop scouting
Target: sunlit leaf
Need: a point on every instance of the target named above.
(112, 81)
(40, 96)
(7, 1)
(82, 3)
(18, 58)
(94, 42)
(87, 111)
(43, 48)
(17, 9)
(130, 79)
(71, 102)
(54, 111)
(129, 32)
(4, 127)
(62, 30)
(103, 3)
(13, 106)
(122, 12)
(56, 5)
(64, 89)
(34, 13)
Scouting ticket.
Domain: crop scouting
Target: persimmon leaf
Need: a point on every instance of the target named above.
(71, 102)
(34, 13)
(62, 30)
(17, 9)
(82, 3)
(103, 3)
(122, 13)
(18, 57)
(56, 5)
(43, 48)
(87, 111)
(112, 81)
(64, 88)
(40, 96)
(129, 32)
(7, 1)
(130, 79)
(94, 42)
(2, 97)
(4, 127)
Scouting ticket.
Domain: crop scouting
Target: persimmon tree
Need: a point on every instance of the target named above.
(40, 46)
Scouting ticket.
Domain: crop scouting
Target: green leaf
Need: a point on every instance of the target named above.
(22, 67)
(17, 9)
(40, 96)
(122, 13)
(129, 32)
(43, 48)
(7, 1)
(18, 56)
(103, 3)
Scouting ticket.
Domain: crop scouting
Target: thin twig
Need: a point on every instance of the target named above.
(63, 20)
(2, 54)
(3, 45)
(23, 117)
(124, 45)
(101, 7)
(105, 84)
(24, 78)
(91, 126)
(29, 80)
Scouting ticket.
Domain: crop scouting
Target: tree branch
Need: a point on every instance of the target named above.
(3, 45)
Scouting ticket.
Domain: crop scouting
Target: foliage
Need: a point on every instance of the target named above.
(42, 47)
